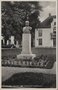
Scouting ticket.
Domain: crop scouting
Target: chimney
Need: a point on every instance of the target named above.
(49, 14)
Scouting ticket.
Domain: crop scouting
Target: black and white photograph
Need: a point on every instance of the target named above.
(28, 44)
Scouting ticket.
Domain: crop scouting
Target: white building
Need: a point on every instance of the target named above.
(10, 41)
(2, 40)
(45, 35)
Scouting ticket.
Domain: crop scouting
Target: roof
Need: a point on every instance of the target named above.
(47, 22)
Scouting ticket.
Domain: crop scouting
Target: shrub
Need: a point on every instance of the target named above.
(28, 78)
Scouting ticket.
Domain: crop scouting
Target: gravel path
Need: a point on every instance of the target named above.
(7, 72)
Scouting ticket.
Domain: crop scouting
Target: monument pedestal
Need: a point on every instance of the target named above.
(25, 56)
(26, 47)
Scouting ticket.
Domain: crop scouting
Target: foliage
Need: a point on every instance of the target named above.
(14, 15)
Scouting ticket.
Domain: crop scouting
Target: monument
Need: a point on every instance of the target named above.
(26, 43)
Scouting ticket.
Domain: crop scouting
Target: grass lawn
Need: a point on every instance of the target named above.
(30, 79)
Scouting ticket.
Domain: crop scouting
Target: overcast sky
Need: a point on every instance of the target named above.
(48, 7)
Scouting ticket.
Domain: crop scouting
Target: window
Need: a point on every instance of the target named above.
(40, 41)
(54, 23)
(40, 33)
(54, 29)
(54, 42)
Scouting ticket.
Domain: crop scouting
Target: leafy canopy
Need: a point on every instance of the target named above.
(14, 14)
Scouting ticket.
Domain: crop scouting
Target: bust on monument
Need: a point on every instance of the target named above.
(27, 28)
(26, 43)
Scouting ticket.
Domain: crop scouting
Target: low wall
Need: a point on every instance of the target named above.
(44, 51)
(37, 51)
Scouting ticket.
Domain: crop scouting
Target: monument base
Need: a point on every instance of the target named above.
(25, 56)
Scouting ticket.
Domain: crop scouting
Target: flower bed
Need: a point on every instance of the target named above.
(42, 61)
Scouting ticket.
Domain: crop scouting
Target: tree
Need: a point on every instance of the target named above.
(14, 15)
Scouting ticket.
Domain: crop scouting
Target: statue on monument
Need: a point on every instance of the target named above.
(27, 28)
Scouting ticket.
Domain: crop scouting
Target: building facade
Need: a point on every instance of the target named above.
(45, 35)
(10, 41)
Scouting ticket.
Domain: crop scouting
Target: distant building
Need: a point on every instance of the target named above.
(10, 41)
(45, 34)
(2, 40)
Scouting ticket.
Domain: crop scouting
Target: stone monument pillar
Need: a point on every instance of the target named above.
(26, 43)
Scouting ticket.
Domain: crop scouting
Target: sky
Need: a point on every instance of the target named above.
(48, 7)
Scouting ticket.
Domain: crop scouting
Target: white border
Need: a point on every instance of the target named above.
(56, 49)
